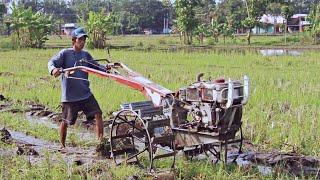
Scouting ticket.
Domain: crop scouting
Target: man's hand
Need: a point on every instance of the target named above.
(108, 67)
(56, 72)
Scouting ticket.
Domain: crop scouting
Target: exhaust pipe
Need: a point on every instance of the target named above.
(246, 87)
(230, 94)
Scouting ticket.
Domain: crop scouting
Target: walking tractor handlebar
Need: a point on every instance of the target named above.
(121, 73)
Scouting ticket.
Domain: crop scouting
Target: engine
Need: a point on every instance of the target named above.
(209, 102)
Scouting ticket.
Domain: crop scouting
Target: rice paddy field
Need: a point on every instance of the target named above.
(283, 111)
(173, 40)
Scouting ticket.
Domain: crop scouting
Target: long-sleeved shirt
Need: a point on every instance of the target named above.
(72, 89)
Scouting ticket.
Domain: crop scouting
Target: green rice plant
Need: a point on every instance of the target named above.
(16, 167)
(5, 43)
(162, 41)
(204, 169)
(124, 171)
(275, 82)
(282, 113)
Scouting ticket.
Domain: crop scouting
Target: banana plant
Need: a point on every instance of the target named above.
(255, 9)
(314, 18)
(30, 29)
(98, 26)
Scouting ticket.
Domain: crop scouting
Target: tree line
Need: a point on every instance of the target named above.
(196, 18)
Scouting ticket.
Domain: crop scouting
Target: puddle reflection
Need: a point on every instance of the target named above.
(279, 52)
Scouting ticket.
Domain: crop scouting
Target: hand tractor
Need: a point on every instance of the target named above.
(202, 118)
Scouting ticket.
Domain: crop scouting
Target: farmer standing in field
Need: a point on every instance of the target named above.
(75, 92)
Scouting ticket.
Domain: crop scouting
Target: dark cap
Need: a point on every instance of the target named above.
(78, 33)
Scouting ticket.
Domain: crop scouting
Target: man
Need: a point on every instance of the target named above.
(75, 92)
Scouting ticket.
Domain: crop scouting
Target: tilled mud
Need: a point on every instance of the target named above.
(35, 149)
(277, 162)
(42, 113)
(5, 135)
(38, 110)
(266, 162)
(2, 98)
(6, 105)
(27, 150)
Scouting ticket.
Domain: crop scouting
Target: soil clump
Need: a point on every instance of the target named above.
(291, 163)
(5, 136)
(2, 98)
(26, 150)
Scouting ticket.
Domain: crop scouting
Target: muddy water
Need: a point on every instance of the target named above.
(34, 149)
(23, 138)
(41, 144)
(42, 120)
(223, 50)
(23, 144)
(279, 52)
(38, 114)
(81, 131)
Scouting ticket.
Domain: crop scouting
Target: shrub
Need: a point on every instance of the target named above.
(30, 29)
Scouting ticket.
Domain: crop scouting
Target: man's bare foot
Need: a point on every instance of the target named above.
(63, 149)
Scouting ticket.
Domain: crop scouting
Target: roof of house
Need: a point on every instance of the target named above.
(70, 25)
(270, 19)
(295, 21)
(299, 15)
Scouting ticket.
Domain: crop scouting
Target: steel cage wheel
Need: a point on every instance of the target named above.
(130, 140)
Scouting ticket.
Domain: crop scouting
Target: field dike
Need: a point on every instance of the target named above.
(34, 148)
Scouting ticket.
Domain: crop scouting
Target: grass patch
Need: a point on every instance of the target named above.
(282, 112)
(146, 42)
(283, 107)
